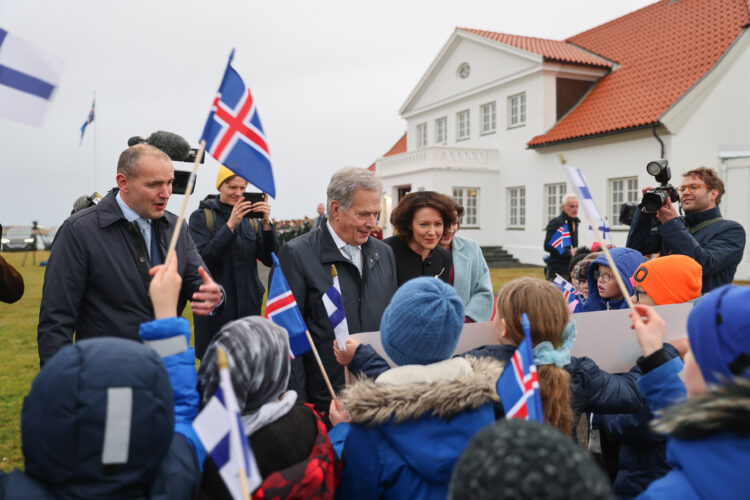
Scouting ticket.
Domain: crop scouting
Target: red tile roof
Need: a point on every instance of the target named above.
(663, 50)
(399, 147)
(551, 50)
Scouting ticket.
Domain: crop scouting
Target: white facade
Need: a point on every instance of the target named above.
(710, 125)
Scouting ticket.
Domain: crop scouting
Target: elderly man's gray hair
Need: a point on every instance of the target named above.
(346, 182)
(569, 197)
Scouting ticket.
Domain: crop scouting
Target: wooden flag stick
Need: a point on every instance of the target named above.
(320, 364)
(605, 249)
(188, 192)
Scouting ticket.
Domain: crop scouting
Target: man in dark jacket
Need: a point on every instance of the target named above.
(558, 263)
(715, 243)
(366, 271)
(97, 276)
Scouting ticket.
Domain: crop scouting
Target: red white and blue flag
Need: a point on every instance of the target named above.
(282, 309)
(561, 239)
(88, 120)
(572, 296)
(518, 386)
(234, 135)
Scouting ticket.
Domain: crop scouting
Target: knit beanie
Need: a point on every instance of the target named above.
(672, 279)
(259, 365)
(719, 333)
(422, 323)
(526, 459)
(224, 174)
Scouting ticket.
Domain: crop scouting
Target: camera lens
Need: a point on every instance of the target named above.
(653, 200)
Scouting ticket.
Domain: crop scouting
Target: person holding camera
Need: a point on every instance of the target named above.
(232, 234)
(703, 234)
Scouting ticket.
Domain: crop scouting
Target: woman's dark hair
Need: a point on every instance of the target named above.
(581, 254)
(403, 214)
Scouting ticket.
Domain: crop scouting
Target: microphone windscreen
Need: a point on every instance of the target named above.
(174, 145)
(136, 140)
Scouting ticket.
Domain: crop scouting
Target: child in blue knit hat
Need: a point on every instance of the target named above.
(709, 445)
(403, 431)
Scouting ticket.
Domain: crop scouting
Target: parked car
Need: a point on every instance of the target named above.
(47, 239)
(18, 238)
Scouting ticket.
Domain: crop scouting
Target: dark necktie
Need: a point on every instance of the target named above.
(155, 254)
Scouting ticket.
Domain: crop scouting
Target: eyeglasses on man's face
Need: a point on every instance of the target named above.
(638, 292)
(692, 187)
(603, 277)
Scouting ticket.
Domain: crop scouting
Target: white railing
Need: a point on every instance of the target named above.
(437, 158)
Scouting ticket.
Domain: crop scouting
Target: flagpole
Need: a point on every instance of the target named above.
(607, 253)
(320, 364)
(188, 192)
(95, 169)
(222, 363)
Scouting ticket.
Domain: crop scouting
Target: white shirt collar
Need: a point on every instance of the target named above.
(129, 214)
(336, 239)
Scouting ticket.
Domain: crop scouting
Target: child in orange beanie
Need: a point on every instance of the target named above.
(672, 279)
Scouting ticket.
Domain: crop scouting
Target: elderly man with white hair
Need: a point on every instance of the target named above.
(559, 256)
(366, 271)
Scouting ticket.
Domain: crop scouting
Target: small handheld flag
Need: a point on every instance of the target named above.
(334, 304)
(518, 386)
(88, 120)
(587, 202)
(282, 309)
(28, 78)
(234, 135)
(561, 239)
(572, 296)
(219, 427)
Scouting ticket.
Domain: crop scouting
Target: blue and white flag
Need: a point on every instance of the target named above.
(234, 135)
(334, 304)
(561, 239)
(88, 120)
(572, 296)
(587, 202)
(28, 77)
(219, 427)
(518, 385)
(282, 309)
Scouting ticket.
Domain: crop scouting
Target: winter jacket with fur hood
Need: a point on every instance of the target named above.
(709, 445)
(410, 425)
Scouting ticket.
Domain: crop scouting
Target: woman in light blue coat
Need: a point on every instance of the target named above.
(469, 273)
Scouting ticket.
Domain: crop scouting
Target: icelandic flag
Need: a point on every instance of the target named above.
(219, 427)
(572, 296)
(28, 77)
(234, 135)
(587, 202)
(334, 304)
(88, 120)
(281, 308)
(561, 239)
(518, 386)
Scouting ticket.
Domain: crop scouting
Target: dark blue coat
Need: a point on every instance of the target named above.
(70, 409)
(627, 261)
(717, 248)
(558, 262)
(232, 257)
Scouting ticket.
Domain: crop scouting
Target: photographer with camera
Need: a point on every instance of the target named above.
(232, 231)
(703, 234)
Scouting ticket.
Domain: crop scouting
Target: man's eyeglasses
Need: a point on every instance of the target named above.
(638, 294)
(691, 187)
(604, 277)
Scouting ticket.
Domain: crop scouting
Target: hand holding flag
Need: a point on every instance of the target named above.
(518, 386)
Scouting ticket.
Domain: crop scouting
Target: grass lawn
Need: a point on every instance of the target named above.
(18, 324)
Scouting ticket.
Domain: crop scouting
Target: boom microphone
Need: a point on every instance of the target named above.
(177, 148)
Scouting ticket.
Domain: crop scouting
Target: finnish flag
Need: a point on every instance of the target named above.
(334, 304)
(28, 77)
(587, 202)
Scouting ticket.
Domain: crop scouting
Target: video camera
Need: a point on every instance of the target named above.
(656, 198)
(178, 149)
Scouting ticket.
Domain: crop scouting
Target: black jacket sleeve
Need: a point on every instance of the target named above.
(642, 236)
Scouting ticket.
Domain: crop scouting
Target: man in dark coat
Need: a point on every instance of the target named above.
(703, 234)
(231, 248)
(97, 276)
(559, 263)
(366, 271)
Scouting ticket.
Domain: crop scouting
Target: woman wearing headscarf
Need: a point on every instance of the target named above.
(289, 440)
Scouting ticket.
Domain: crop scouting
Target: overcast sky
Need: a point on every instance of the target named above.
(328, 78)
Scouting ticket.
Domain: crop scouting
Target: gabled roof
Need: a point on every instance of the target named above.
(663, 50)
(399, 147)
(551, 50)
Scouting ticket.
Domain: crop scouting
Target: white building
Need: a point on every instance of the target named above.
(487, 120)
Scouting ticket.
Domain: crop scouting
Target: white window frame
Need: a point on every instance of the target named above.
(421, 134)
(516, 208)
(441, 130)
(553, 195)
(463, 125)
(488, 115)
(620, 190)
(517, 110)
(468, 197)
